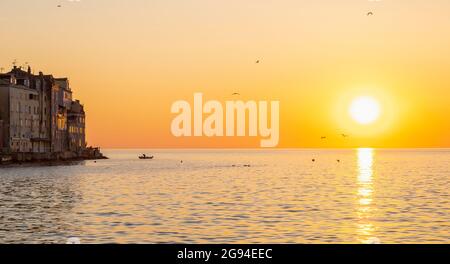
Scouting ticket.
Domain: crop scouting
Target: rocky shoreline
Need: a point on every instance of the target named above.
(49, 159)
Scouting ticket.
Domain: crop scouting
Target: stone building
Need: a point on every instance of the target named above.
(76, 127)
(38, 114)
(1, 135)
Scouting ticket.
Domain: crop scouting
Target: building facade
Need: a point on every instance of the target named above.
(76, 127)
(1, 135)
(38, 114)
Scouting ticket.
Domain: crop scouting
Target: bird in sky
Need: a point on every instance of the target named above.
(344, 135)
(370, 14)
(257, 62)
(323, 138)
(71, 1)
(236, 94)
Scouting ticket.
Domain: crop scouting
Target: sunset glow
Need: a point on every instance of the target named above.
(129, 61)
(225, 131)
(365, 110)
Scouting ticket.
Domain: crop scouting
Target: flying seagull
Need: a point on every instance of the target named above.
(370, 14)
(257, 61)
(344, 135)
(236, 94)
(323, 138)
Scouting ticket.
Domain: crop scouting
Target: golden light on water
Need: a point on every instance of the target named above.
(365, 229)
(365, 161)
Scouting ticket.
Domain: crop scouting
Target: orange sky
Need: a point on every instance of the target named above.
(128, 61)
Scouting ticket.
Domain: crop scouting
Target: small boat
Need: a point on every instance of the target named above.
(145, 157)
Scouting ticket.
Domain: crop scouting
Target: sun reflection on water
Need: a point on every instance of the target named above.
(365, 229)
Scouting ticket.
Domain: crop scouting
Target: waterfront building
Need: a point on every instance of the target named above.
(1, 135)
(76, 127)
(38, 114)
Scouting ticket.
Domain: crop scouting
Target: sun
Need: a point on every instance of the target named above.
(364, 110)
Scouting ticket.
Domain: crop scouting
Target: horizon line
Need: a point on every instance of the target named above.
(257, 148)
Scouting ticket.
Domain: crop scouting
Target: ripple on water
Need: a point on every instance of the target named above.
(372, 196)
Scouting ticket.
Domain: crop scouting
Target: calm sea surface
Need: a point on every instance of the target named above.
(370, 196)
